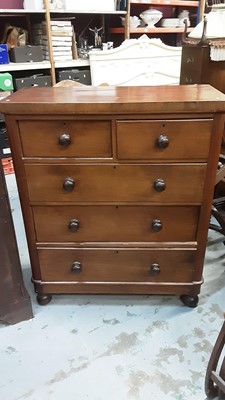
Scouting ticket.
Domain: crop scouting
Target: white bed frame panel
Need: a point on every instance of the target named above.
(137, 62)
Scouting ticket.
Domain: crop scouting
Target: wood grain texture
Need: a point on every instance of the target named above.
(118, 223)
(187, 140)
(116, 183)
(114, 100)
(117, 265)
(87, 139)
(106, 208)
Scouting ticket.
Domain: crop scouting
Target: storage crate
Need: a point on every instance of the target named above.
(26, 53)
(8, 167)
(38, 80)
(81, 76)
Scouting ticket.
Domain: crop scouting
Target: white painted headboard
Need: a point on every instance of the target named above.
(137, 62)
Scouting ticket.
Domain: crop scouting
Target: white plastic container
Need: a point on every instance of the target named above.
(33, 4)
(56, 5)
(90, 5)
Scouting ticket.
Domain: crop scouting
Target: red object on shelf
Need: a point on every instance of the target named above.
(11, 4)
(8, 166)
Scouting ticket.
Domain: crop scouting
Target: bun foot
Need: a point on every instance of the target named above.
(189, 301)
(43, 299)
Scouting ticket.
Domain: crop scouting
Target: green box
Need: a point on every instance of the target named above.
(6, 81)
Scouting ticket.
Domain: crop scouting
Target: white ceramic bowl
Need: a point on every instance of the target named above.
(151, 17)
(169, 22)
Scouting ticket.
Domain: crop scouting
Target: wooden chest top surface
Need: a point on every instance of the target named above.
(115, 100)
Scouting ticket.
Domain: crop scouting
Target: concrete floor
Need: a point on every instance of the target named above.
(112, 347)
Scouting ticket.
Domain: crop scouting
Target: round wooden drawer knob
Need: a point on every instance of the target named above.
(154, 269)
(69, 184)
(76, 267)
(162, 142)
(156, 225)
(73, 225)
(65, 140)
(159, 185)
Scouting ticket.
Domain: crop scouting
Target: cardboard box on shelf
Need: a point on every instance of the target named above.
(11, 4)
(90, 5)
(33, 4)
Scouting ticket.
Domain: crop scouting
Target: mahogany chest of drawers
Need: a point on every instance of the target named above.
(116, 185)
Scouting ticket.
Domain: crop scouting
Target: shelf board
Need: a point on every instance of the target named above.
(28, 11)
(182, 3)
(87, 12)
(24, 66)
(151, 30)
(72, 63)
(20, 11)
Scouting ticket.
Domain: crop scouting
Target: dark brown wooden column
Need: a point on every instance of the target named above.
(15, 303)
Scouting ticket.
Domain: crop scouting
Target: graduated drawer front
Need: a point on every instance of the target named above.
(145, 140)
(116, 183)
(92, 265)
(84, 139)
(115, 223)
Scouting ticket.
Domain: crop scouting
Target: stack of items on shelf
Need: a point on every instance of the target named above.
(62, 39)
(6, 87)
(176, 22)
(15, 47)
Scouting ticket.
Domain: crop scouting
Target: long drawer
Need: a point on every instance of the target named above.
(117, 265)
(115, 223)
(167, 183)
(152, 140)
(78, 139)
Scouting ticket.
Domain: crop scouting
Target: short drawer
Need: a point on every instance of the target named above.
(116, 265)
(79, 139)
(152, 140)
(115, 223)
(167, 183)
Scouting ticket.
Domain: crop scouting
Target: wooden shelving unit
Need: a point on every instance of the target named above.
(91, 12)
(150, 30)
(24, 66)
(46, 15)
(72, 63)
(173, 4)
(182, 3)
(124, 32)
(21, 11)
